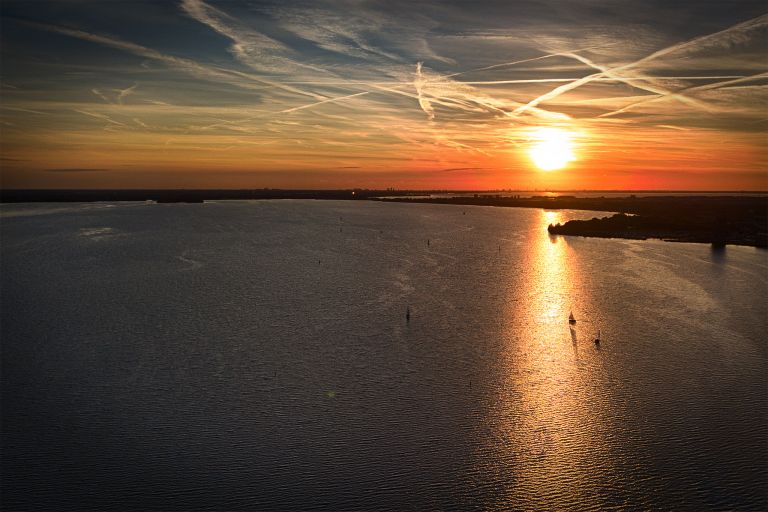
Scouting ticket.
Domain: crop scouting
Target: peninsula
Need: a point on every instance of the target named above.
(737, 219)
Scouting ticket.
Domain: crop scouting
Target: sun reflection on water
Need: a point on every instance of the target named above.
(547, 417)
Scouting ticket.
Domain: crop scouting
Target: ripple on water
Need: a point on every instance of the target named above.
(266, 380)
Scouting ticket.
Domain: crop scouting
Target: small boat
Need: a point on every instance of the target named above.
(597, 340)
(408, 314)
(571, 320)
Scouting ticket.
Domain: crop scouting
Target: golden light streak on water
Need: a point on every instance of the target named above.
(550, 415)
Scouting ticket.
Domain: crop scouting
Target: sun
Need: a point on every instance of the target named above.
(552, 148)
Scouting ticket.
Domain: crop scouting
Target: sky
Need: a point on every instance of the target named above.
(644, 94)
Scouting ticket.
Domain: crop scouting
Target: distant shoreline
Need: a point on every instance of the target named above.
(727, 218)
(200, 195)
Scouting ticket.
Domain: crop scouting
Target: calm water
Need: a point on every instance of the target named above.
(256, 355)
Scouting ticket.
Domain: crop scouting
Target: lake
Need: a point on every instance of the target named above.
(256, 355)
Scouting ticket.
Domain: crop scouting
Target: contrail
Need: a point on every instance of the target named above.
(99, 116)
(329, 100)
(18, 109)
(652, 87)
(602, 79)
(554, 93)
(728, 33)
(286, 111)
(502, 82)
(187, 65)
(705, 87)
(523, 61)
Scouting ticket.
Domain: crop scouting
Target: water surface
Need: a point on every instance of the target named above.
(256, 355)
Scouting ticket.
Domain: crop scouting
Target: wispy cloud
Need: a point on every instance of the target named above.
(435, 85)
(20, 109)
(418, 84)
(337, 32)
(726, 38)
(124, 93)
(249, 46)
(77, 169)
(461, 169)
(100, 95)
(214, 73)
(118, 95)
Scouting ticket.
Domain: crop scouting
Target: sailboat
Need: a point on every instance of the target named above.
(571, 320)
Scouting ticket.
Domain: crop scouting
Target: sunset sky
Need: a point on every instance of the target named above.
(375, 94)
